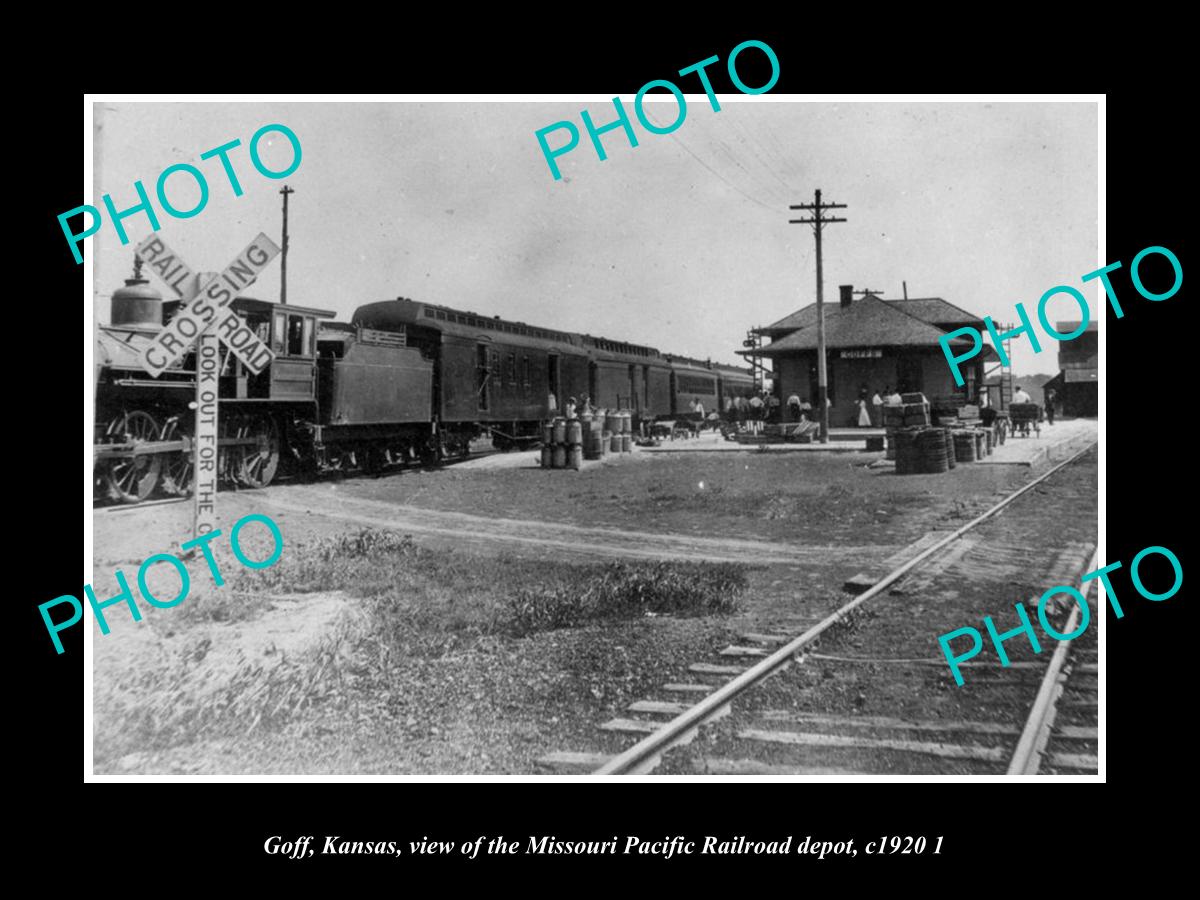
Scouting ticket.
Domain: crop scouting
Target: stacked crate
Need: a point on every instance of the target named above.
(912, 413)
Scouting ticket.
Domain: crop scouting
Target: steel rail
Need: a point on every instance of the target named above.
(1027, 758)
(630, 761)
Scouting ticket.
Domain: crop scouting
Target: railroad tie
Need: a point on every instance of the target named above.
(671, 708)
(891, 724)
(946, 751)
(734, 650)
(711, 669)
(1081, 761)
(754, 767)
(757, 638)
(570, 762)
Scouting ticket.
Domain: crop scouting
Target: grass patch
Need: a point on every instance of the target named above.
(616, 591)
(413, 604)
(188, 700)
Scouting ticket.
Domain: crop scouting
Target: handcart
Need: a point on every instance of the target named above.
(1025, 416)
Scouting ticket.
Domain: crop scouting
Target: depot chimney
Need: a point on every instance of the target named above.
(847, 294)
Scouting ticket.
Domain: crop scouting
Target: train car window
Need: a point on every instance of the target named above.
(441, 316)
(512, 368)
(310, 334)
(525, 379)
(295, 336)
(279, 337)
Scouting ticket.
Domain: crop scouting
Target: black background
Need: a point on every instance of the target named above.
(993, 831)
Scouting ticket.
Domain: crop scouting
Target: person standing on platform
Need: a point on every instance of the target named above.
(793, 403)
(569, 412)
(1050, 396)
(864, 417)
(756, 412)
(877, 409)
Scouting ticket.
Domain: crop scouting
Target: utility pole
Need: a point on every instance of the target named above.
(283, 264)
(818, 222)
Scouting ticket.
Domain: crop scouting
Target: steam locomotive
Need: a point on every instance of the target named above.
(402, 381)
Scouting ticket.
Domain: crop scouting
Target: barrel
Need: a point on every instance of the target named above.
(593, 440)
(605, 440)
(626, 443)
(627, 422)
(547, 434)
(558, 458)
(964, 446)
(932, 453)
(905, 444)
(560, 431)
(575, 457)
(615, 445)
(546, 456)
(611, 423)
(574, 432)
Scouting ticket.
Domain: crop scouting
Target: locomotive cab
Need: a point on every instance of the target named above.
(291, 333)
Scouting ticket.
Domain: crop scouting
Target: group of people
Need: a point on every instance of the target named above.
(573, 408)
(758, 407)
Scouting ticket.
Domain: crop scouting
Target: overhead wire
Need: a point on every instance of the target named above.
(729, 183)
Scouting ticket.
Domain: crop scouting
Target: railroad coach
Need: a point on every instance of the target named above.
(488, 373)
(692, 380)
(627, 376)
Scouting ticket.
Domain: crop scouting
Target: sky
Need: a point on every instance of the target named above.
(682, 242)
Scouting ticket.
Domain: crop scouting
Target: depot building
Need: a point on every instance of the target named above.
(872, 344)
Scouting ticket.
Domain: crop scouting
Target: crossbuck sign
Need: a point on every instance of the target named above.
(205, 318)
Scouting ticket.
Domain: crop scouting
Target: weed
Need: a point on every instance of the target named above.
(628, 591)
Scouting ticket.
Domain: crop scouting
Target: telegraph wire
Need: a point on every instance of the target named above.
(722, 177)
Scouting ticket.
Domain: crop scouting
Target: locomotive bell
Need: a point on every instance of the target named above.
(137, 303)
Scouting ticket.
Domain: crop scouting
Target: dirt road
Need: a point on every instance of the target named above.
(465, 529)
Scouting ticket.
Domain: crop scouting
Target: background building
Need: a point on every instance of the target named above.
(1077, 384)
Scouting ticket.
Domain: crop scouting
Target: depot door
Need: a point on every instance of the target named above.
(908, 371)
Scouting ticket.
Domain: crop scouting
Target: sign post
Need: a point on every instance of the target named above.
(206, 433)
(205, 321)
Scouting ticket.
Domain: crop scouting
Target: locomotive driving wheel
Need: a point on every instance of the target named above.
(134, 478)
(178, 472)
(255, 464)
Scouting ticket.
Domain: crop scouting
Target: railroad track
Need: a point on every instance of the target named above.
(1042, 714)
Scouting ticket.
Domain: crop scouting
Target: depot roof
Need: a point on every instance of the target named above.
(869, 322)
(931, 310)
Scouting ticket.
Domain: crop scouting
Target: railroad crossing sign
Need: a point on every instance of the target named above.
(208, 306)
(204, 320)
